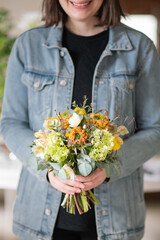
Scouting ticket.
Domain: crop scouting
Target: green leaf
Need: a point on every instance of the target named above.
(84, 202)
(93, 164)
(93, 197)
(55, 166)
(62, 174)
(42, 165)
(107, 170)
(99, 165)
(85, 169)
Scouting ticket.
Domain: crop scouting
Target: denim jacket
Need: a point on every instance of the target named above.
(126, 82)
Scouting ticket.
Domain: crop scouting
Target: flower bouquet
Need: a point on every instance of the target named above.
(75, 142)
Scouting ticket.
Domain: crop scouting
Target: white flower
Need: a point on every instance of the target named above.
(75, 120)
(38, 152)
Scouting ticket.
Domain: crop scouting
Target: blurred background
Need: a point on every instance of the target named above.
(16, 16)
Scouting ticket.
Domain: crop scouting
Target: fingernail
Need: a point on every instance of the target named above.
(82, 186)
(78, 191)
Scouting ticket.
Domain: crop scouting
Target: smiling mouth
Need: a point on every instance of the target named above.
(81, 4)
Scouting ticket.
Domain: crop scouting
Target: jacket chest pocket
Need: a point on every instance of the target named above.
(121, 97)
(41, 90)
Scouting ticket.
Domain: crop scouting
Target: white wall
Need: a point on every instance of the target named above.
(18, 8)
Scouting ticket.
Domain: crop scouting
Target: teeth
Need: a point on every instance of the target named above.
(80, 4)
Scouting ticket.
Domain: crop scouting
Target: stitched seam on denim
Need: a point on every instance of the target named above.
(128, 231)
(20, 51)
(32, 29)
(117, 74)
(31, 70)
(142, 64)
(29, 230)
(36, 73)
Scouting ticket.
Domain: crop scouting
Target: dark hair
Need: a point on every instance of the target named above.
(109, 13)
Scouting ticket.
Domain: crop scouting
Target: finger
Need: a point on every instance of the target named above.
(66, 188)
(69, 182)
(94, 183)
(91, 185)
(74, 183)
(90, 177)
(59, 184)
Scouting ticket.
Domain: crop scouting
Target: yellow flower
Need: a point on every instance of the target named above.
(117, 142)
(50, 122)
(80, 111)
(99, 120)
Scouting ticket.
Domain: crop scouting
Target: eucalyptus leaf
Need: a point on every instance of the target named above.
(87, 158)
(55, 166)
(82, 152)
(84, 156)
(62, 174)
(81, 161)
(85, 169)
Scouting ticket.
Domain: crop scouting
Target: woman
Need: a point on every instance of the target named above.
(83, 49)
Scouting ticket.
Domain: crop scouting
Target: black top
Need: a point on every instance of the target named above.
(85, 53)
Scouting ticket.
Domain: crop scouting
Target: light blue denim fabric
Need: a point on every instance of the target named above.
(126, 82)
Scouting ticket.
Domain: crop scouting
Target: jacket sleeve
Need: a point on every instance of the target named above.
(145, 143)
(14, 122)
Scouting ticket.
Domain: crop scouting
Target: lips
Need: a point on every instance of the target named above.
(80, 4)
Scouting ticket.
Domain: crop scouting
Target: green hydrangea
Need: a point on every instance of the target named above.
(102, 141)
(55, 147)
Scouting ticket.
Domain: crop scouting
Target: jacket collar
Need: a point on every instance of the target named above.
(118, 38)
(54, 39)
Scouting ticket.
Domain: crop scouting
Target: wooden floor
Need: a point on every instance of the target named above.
(152, 231)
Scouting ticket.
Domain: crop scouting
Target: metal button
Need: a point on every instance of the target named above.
(102, 212)
(99, 82)
(37, 84)
(131, 85)
(105, 52)
(62, 53)
(63, 82)
(48, 212)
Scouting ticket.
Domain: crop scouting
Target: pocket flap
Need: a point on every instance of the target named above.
(37, 81)
(123, 82)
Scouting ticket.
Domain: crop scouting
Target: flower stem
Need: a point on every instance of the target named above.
(77, 204)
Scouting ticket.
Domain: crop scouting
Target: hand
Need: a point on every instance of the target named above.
(65, 186)
(92, 180)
